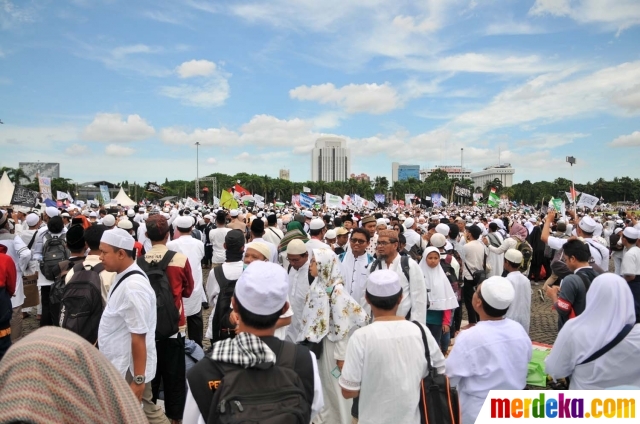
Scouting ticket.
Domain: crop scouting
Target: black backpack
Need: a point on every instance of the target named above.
(450, 272)
(275, 395)
(56, 292)
(416, 251)
(221, 328)
(404, 264)
(54, 251)
(81, 305)
(168, 315)
(527, 254)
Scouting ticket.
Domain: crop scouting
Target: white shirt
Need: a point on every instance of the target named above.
(473, 258)
(492, 355)
(355, 273)
(21, 255)
(298, 290)
(385, 361)
(414, 293)
(37, 252)
(520, 309)
(631, 261)
(142, 238)
(131, 309)
(193, 249)
(192, 413)
(273, 235)
(316, 244)
(599, 253)
(216, 237)
(412, 238)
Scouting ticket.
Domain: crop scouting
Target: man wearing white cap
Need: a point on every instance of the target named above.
(385, 352)
(259, 299)
(299, 281)
(317, 230)
(410, 234)
(492, 355)
(235, 223)
(43, 283)
(127, 328)
(193, 249)
(585, 228)
(631, 264)
(520, 309)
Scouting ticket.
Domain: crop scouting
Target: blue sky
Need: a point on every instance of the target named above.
(121, 90)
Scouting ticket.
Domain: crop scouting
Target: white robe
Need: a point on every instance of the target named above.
(520, 309)
(337, 409)
(496, 259)
(193, 249)
(298, 289)
(492, 355)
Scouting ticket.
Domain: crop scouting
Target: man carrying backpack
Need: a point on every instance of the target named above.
(127, 327)
(49, 249)
(170, 275)
(220, 286)
(256, 371)
(570, 298)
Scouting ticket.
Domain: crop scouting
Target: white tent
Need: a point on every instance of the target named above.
(6, 190)
(123, 199)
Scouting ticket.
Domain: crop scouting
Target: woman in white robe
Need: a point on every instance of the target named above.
(328, 316)
(609, 309)
(495, 258)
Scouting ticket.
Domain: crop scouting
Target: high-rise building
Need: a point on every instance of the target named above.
(284, 174)
(453, 171)
(361, 177)
(44, 169)
(404, 172)
(330, 160)
(502, 172)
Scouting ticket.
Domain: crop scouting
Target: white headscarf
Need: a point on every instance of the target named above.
(441, 295)
(332, 316)
(609, 308)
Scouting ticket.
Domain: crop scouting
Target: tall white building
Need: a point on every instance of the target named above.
(330, 160)
(284, 174)
(502, 172)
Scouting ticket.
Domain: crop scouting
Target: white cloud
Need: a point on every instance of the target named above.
(631, 140)
(212, 93)
(111, 128)
(481, 63)
(77, 150)
(353, 98)
(511, 27)
(37, 137)
(134, 58)
(206, 137)
(550, 140)
(212, 161)
(554, 97)
(117, 150)
(12, 15)
(196, 68)
(615, 15)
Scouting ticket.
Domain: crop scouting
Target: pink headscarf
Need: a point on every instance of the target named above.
(519, 232)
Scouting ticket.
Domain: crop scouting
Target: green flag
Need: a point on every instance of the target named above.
(557, 204)
(493, 200)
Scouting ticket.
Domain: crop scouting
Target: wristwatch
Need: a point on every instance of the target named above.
(139, 379)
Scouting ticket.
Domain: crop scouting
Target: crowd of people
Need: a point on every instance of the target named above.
(315, 315)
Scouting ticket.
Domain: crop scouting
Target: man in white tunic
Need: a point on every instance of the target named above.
(126, 335)
(193, 249)
(298, 257)
(387, 354)
(520, 309)
(492, 355)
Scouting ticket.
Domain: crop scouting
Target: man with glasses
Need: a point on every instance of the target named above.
(355, 262)
(299, 281)
(414, 289)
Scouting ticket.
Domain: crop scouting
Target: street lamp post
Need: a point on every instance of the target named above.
(572, 161)
(197, 171)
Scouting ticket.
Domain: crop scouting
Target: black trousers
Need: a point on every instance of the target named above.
(171, 373)
(195, 328)
(208, 255)
(45, 317)
(456, 321)
(467, 293)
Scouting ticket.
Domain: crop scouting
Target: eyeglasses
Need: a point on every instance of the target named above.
(386, 243)
(358, 241)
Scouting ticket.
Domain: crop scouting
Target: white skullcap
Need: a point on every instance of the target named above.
(118, 238)
(184, 222)
(308, 214)
(131, 213)
(587, 224)
(125, 224)
(296, 247)
(383, 283)
(402, 217)
(408, 223)
(498, 292)
(513, 255)
(617, 230)
(533, 219)
(32, 219)
(331, 234)
(442, 229)
(262, 288)
(93, 215)
(438, 240)
(234, 213)
(316, 224)
(260, 247)
(166, 215)
(381, 221)
(65, 215)
(209, 217)
(631, 233)
(108, 220)
(51, 211)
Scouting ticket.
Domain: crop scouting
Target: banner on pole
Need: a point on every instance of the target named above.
(154, 188)
(588, 201)
(104, 192)
(306, 201)
(45, 187)
(436, 199)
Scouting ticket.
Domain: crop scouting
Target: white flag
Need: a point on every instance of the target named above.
(258, 199)
(69, 197)
(333, 201)
(306, 189)
(60, 195)
(408, 197)
(588, 201)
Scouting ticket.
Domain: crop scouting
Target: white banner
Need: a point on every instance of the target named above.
(306, 189)
(61, 195)
(588, 201)
(408, 197)
(333, 201)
